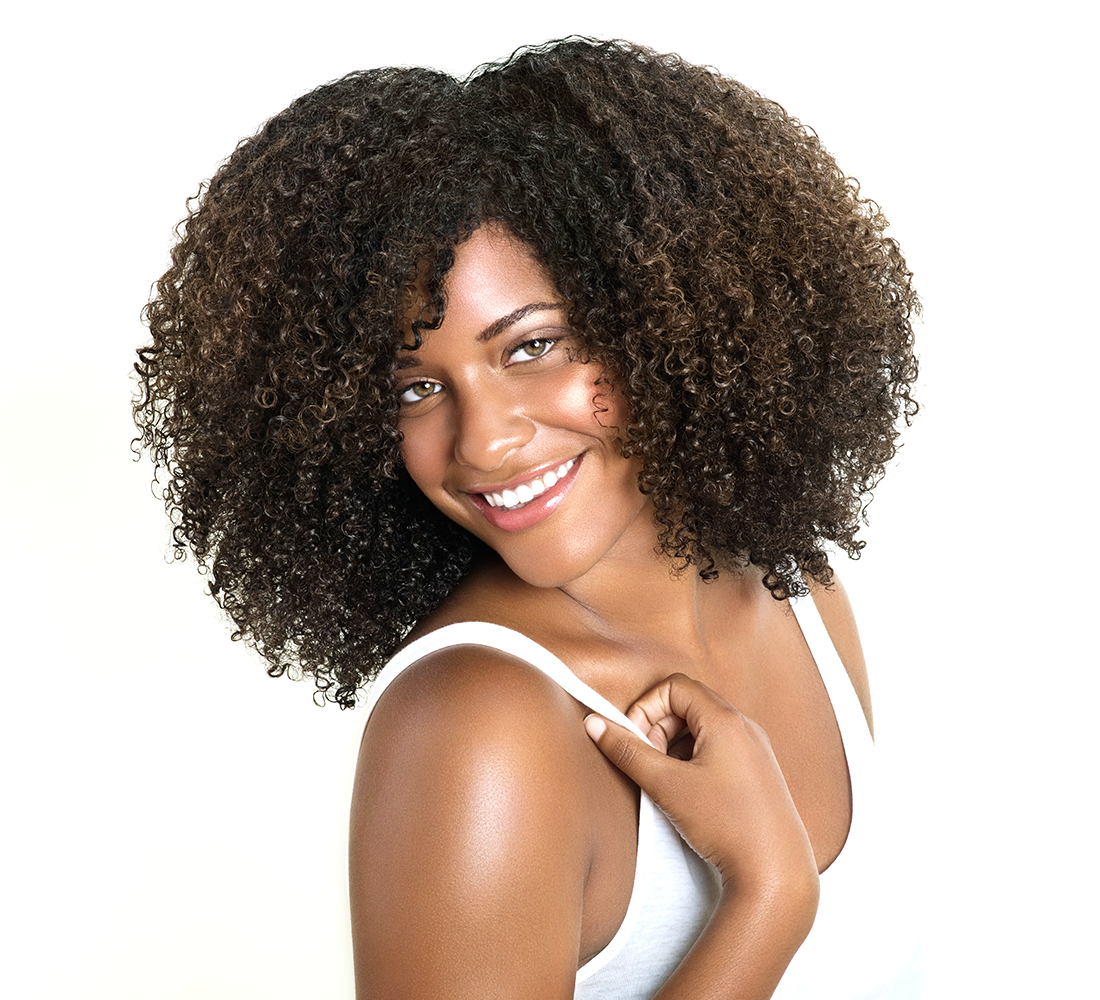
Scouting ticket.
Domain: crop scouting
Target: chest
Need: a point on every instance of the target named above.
(774, 681)
(767, 672)
(756, 658)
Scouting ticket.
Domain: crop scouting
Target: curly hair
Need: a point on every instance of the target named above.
(736, 286)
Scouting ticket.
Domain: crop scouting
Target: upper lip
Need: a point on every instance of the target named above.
(524, 477)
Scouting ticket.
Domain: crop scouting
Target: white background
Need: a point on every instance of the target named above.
(174, 821)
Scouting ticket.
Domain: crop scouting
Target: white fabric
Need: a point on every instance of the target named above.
(863, 945)
(859, 948)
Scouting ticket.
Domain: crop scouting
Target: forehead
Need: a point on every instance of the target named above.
(494, 275)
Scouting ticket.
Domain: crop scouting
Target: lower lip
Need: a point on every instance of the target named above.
(534, 512)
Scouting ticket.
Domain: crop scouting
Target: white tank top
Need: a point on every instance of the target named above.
(861, 946)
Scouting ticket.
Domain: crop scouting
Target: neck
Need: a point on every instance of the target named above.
(630, 607)
(636, 594)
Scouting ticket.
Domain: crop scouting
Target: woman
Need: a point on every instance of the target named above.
(559, 379)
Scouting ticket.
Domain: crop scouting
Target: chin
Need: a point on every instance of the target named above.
(543, 581)
(547, 573)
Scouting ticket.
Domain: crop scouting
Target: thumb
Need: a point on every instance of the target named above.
(632, 755)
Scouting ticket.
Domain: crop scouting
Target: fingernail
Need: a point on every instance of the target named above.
(595, 726)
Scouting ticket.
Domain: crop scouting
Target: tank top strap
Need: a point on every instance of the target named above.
(850, 720)
(507, 641)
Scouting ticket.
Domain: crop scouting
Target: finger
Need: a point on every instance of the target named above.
(662, 732)
(652, 713)
(643, 764)
(676, 703)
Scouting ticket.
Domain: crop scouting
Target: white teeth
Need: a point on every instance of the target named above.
(526, 492)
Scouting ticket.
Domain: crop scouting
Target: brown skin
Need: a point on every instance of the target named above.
(492, 843)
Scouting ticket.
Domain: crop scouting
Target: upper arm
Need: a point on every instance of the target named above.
(468, 847)
(840, 622)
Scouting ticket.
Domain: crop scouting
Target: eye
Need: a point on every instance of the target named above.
(529, 350)
(416, 391)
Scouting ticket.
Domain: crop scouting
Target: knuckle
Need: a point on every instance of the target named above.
(755, 728)
(624, 753)
(730, 716)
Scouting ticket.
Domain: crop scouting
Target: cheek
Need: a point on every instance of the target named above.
(420, 457)
(611, 410)
(593, 401)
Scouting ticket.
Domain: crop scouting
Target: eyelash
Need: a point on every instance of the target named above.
(546, 343)
(411, 387)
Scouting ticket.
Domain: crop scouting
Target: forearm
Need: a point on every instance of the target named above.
(746, 947)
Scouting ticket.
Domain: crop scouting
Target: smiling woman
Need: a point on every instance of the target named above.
(531, 401)
(502, 420)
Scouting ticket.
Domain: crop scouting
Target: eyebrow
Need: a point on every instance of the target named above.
(407, 357)
(497, 327)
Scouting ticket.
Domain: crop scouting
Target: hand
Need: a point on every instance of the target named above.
(730, 800)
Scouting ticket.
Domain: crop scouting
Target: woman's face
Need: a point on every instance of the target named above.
(505, 430)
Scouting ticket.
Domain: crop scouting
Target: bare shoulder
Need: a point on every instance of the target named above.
(469, 838)
(840, 622)
(467, 696)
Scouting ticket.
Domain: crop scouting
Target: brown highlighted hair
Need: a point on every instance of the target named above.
(740, 291)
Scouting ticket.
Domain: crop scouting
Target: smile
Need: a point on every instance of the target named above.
(520, 496)
(523, 504)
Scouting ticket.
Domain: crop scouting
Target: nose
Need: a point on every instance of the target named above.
(490, 425)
